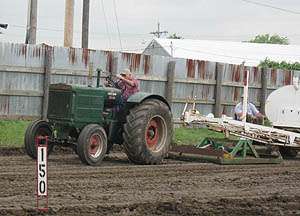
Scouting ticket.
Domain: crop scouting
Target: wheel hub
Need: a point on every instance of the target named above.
(95, 147)
(155, 133)
(41, 133)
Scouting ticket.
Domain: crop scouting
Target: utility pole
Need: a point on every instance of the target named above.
(158, 33)
(31, 22)
(85, 24)
(69, 20)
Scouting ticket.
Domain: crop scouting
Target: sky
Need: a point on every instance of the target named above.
(230, 20)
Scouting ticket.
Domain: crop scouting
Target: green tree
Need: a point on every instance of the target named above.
(270, 39)
(267, 63)
(174, 36)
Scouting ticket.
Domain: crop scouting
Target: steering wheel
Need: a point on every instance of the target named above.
(112, 82)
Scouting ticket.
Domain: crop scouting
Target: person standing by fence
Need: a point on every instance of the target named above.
(252, 114)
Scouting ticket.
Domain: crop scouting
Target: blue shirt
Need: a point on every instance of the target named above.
(251, 109)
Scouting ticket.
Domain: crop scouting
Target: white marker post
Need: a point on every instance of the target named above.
(42, 173)
(245, 99)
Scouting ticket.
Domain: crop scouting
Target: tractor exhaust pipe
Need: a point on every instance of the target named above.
(98, 77)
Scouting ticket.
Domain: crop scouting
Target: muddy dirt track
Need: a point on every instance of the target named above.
(174, 188)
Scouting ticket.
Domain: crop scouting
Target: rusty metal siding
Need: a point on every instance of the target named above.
(233, 94)
(177, 109)
(21, 81)
(4, 105)
(232, 89)
(70, 79)
(159, 66)
(20, 106)
(22, 68)
(233, 74)
(21, 55)
(201, 92)
(277, 78)
(142, 64)
(195, 69)
(20, 93)
(153, 87)
(194, 79)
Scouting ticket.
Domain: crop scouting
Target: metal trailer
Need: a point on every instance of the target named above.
(242, 151)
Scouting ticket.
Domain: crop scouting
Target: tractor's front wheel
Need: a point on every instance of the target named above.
(92, 144)
(148, 132)
(36, 129)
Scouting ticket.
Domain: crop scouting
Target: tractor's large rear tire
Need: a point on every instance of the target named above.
(34, 130)
(92, 144)
(288, 152)
(148, 132)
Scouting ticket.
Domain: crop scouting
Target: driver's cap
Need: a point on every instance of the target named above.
(126, 71)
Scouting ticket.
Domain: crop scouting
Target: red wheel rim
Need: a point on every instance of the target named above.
(152, 134)
(94, 147)
(41, 133)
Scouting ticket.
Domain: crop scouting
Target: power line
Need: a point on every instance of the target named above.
(43, 29)
(271, 6)
(117, 21)
(141, 35)
(79, 32)
(106, 25)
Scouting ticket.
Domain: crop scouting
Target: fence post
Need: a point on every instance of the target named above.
(170, 81)
(264, 88)
(47, 74)
(218, 89)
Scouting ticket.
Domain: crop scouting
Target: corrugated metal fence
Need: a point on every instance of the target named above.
(22, 69)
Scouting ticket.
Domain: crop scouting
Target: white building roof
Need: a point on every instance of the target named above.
(226, 52)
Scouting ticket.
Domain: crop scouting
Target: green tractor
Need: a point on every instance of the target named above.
(91, 119)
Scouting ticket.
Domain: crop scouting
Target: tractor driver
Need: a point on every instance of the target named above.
(128, 84)
(252, 116)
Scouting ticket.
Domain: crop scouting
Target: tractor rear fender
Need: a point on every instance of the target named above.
(139, 97)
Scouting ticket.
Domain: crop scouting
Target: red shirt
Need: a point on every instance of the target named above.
(127, 89)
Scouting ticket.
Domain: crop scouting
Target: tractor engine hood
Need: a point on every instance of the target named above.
(80, 103)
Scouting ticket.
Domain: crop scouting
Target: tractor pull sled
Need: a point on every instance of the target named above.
(240, 149)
